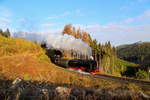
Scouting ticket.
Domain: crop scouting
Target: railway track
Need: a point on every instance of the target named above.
(110, 77)
(114, 78)
(123, 79)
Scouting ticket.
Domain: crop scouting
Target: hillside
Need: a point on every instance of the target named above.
(27, 60)
(138, 53)
(24, 59)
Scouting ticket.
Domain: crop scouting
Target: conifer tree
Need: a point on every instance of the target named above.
(6, 33)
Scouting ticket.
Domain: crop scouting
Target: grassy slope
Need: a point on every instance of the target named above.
(27, 60)
(124, 66)
(120, 62)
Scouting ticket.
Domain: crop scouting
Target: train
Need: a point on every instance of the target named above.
(76, 64)
(85, 65)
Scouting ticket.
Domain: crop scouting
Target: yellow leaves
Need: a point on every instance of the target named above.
(11, 46)
(77, 33)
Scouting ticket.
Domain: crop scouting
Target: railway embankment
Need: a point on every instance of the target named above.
(38, 90)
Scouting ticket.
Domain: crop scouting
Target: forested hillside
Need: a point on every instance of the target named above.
(138, 53)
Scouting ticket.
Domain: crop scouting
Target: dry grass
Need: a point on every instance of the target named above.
(27, 60)
(15, 46)
(28, 67)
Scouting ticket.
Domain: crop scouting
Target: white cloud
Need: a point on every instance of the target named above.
(132, 4)
(79, 12)
(128, 21)
(144, 17)
(26, 23)
(5, 17)
(54, 31)
(3, 26)
(118, 34)
(67, 13)
(122, 32)
(48, 25)
(128, 5)
(5, 12)
(4, 20)
(53, 17)
(21, 20)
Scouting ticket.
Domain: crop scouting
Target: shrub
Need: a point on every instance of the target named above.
(141, 74)
(26, 76)
(131, 86)
(43, 57)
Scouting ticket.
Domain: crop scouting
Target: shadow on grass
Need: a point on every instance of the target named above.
(130, 71)
(34, 90)
(39, 90)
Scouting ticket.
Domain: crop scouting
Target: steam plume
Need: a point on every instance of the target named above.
(57, 41)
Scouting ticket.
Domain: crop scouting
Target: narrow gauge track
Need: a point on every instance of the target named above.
(114, 78)
(123, 79)
(65, 63)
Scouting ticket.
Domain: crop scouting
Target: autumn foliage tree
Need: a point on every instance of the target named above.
(77, 33)
(86, 37)
(68, 29)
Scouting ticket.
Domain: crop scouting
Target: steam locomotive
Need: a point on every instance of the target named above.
(77, 64)
(85, 65)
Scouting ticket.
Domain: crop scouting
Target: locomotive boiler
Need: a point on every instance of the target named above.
(85, 65)
(89, 66)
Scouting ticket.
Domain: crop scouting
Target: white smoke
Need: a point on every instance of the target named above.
(57, 41)
(33, 36)
(66, 42)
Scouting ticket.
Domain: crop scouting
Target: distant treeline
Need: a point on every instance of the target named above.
(5, 33)
(137, 53)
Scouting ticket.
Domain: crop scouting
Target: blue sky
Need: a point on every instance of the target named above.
(120, 21)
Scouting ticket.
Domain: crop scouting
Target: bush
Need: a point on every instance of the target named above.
(141, 74)
(43, 57)
(26, 76)
(132, 87)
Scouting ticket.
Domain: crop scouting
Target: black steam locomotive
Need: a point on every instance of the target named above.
(77, 64)
(85, 65)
